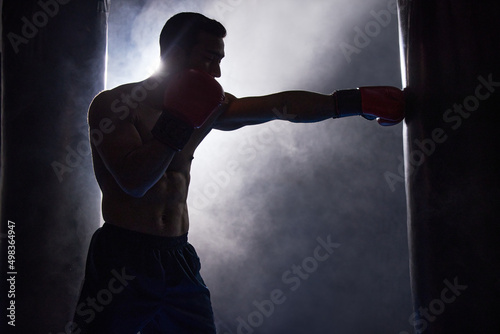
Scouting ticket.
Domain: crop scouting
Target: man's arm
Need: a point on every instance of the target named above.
(136, 165)
(384, 103)
(294, 106)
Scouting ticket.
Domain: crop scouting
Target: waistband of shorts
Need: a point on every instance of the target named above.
(148, 240)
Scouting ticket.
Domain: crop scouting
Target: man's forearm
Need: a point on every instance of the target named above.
(143, 167)
(304, 107)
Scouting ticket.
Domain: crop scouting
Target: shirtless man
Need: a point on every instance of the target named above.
(141, 273)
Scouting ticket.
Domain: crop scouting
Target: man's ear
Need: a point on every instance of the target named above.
(176, 56)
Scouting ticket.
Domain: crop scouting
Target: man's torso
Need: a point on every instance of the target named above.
(163, 209)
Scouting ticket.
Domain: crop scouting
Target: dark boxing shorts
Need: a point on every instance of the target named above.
(139, 282)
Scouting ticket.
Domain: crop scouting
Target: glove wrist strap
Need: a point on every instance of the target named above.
(347, 102)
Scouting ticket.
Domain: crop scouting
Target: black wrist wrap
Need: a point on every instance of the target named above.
(172, 131)
(348, 102)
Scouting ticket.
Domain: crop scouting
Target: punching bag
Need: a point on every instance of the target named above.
(53, 64)
(451, 55)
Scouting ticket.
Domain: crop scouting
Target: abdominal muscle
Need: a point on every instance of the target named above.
(161, 211)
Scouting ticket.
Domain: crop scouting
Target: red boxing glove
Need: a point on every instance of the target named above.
(193, 96)
(384, 103)
(190, 98)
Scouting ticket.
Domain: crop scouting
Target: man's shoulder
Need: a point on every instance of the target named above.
(108, 102)
(107, 96)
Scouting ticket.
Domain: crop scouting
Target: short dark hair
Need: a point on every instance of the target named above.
(182, 30)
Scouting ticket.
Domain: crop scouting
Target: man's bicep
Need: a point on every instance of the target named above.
(113, 138)
(240, 112)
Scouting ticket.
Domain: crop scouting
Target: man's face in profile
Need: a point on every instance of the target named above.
(207, 54)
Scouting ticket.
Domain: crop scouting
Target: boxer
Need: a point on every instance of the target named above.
(142, 164)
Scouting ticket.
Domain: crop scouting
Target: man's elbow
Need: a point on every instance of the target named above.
(228, 127)
(235, 125)
(135, 193)
(133, 189)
